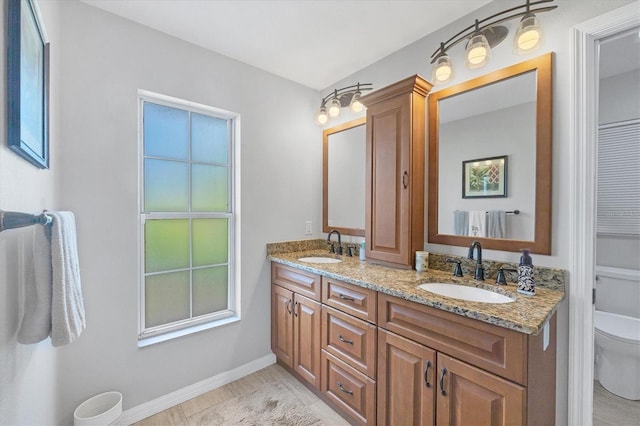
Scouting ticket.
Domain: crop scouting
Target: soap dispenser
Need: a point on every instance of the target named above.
(526, 284)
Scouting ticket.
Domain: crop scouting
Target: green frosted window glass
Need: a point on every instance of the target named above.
(166, 244)
(166, 186)
(210, 241)
(209, 139)
(166, 132)
(210, 290)
(166, 298)
(210, 189)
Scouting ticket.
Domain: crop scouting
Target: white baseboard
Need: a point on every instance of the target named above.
(169, 400)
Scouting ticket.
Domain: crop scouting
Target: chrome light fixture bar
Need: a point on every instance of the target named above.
(487, 33)
(341, 98)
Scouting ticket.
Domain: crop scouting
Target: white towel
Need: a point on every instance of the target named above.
(478, 223)
(497, 224)
(67, 305)
(36, 321)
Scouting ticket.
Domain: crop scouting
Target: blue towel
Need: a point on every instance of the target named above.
(460, 222)
(496, 224)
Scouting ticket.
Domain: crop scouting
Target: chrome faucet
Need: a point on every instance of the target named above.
(479, 274)
(331, 248)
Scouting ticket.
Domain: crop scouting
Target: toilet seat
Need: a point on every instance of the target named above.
(618, 327)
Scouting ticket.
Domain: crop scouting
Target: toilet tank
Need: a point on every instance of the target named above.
(618, 290)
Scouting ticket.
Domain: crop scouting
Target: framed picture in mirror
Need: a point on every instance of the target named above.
(27, 83)
(484, 177)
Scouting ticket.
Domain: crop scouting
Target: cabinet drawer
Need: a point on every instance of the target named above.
(492, 348)
(350, 339)
(350, 390)
(302, 282)
(352, 299)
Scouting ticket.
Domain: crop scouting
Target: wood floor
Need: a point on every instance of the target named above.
(193, 412)
(611, 410)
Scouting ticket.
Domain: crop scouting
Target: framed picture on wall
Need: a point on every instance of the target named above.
(484, 177)
(27, 83)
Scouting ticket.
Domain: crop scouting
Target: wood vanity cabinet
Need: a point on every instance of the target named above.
(379, 359)
(395, 140)
(349, 349)
(295, 321)
(436, 367)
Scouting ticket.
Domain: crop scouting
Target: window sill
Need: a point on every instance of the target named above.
(152, 340)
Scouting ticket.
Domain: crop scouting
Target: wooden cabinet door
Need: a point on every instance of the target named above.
(282, 324)
(387, 166)
(394, 211)
(406, 381)
(467, 395)
(306, 339)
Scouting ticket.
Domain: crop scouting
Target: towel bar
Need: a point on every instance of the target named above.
(11, 220)
(516, 211)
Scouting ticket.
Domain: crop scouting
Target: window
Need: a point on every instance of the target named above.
(188, 217)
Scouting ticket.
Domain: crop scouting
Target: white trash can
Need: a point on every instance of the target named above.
(104, 409)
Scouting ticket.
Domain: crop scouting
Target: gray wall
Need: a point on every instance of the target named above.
(103, 61)
(414, 59)
(29, 375)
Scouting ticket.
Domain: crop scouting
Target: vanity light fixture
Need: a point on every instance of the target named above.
(487, 33)
(349, 96)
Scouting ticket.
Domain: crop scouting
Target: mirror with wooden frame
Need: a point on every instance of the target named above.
(343, 178)
(490, 157)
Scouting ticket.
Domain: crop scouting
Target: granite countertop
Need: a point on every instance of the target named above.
(527, 314)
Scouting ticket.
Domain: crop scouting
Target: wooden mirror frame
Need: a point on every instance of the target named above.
(325, 177)
(541, 243)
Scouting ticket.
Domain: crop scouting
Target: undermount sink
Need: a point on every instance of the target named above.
(319, 259)
(472, 294)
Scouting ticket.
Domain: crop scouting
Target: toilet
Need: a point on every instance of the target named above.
(617, 331)
(617, 341)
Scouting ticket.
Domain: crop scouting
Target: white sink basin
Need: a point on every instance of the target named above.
(319, 259)
(472, 294)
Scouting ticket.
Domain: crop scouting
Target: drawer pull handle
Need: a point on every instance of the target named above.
(288, 303)
(295, 309)
(426, 374)
(343, 340)
(405, 176)
(343, 297)
(343, 389)
(444, 372)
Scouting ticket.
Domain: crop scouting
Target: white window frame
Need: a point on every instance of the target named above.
(148, 336)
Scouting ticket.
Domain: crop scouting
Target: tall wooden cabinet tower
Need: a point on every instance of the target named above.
(395, 172)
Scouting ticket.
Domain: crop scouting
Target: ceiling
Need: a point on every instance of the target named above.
(311, 42)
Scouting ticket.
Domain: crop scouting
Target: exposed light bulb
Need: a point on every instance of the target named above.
(334, 108)
(356, 105)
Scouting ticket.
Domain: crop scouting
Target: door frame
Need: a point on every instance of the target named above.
(583, 162)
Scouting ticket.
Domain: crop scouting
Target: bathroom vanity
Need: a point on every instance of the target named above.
(381, 350)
